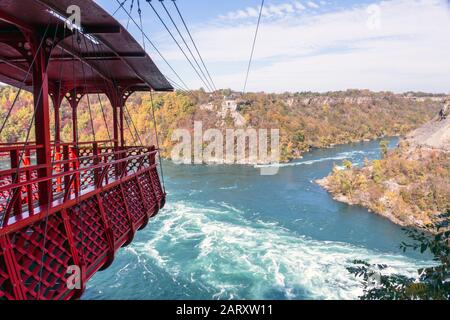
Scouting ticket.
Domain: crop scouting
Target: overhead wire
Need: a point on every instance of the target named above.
(187, 46)
(193, 42)
(121, 4)
(156, 135)
(131, 10)
(22, 84)
(253, 46)
(101, 104)
(85, 86)
(179, 46)
(97, 53)
(140, 20)
(48, 204)
(157, 141)
(134, 138)
(17, 175)
(153, 45)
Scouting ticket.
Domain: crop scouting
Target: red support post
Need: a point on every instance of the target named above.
(117, 102)
(42, 120)
(74, 99)
(74, 155)
(20, 240)
(96, 161)
(57, 125)
(74, 124)
(122, 131)
(15, 178)
(115, 127)
(57, 100)
(30, 200)
(66, 156)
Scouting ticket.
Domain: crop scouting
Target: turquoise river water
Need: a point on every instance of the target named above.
(229, 233)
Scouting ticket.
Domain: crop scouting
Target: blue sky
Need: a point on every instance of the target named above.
(317, 45)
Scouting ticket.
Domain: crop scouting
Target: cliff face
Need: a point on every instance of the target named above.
(362, 100)
(409, 186)
(433, 135)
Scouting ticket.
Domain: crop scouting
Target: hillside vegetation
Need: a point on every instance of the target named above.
(306, 120)
(410, 185)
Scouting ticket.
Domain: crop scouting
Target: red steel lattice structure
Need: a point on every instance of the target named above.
(70, 204)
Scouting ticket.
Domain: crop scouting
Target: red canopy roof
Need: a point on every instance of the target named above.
(107, 53)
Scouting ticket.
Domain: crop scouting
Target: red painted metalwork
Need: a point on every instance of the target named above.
(70, 204)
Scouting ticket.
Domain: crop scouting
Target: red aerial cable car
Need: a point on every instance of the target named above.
(66, 204)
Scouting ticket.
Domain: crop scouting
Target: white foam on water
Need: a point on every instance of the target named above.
(218, 248)
(339, 156)
(234, 187)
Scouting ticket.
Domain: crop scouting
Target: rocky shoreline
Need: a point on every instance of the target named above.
(364, 202)
(409, 186)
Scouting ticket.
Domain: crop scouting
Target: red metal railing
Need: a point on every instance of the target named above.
(100, 196)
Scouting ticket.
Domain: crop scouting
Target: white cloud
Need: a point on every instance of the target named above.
(313, 5)
(252, 12)
(334, 50)
(299, 6)
(271, 10)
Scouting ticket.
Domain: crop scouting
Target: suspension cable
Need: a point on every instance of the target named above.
(189, 93)
(136, 139)
(101, 106)
(140, 20)
(81, 224)
(52, 163)
(131, 11)
(17, 175)
(100, 46)
(98, 95)
(253, 47)
(23, 82)
(178, 44)
(121, 4)
(92, 126)
(175, 84)
(134, 126)
(77, 136)
(85, 86)
(131, 119)
(151, 92)
(126, 120)
(157, 140)
(153, 45)
(104, 116)
(192, 39)
(185, 43)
